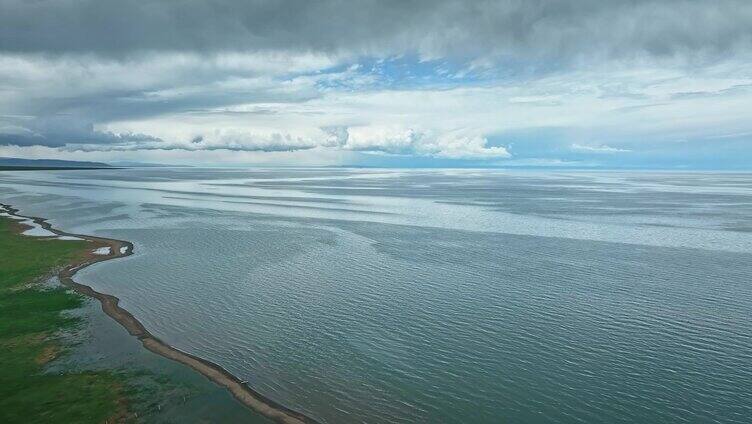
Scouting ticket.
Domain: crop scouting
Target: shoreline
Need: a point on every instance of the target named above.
(214, 372)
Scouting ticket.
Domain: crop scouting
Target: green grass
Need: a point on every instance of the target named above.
(29, 316)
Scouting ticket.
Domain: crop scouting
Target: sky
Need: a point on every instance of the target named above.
(655, 84)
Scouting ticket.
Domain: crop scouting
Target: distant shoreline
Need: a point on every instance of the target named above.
(120, 248)
(52, 168)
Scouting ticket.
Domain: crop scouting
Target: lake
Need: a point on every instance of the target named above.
(435, 296)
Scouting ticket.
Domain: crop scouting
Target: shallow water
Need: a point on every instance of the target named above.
(436, 296)
(160, 391)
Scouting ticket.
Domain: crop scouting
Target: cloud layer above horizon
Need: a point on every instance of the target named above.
(593, 83)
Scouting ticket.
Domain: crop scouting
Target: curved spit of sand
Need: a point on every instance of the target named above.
(118, 249)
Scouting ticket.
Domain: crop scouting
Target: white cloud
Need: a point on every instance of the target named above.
(282, 102)
(600, 148)
(457, 122)
(415, 142)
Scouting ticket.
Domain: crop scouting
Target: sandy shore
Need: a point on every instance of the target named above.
(214, 372)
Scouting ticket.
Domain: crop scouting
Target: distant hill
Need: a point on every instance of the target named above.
(18, 163)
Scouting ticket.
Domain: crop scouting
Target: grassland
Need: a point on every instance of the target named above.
(31, 318)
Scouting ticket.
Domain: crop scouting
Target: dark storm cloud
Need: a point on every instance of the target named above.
(533, 28)
(59, 131)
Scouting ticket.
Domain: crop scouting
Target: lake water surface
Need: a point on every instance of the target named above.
(435, 296)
